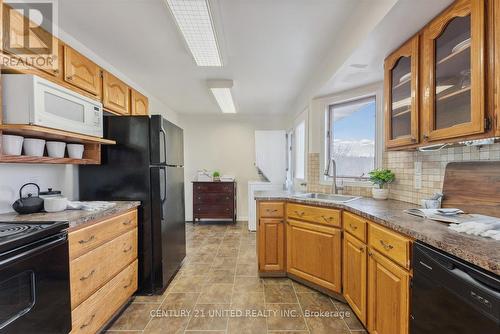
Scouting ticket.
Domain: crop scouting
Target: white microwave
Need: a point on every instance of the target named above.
(29, 99)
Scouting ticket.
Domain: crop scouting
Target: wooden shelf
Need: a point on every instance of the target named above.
(452, 55)
(401, 113)
(24, 159)
(52, 134)
(452, 94)
(401, 84)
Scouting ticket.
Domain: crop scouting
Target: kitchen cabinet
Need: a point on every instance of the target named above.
(272, 245)
(401, 95)
(314, 214)
(454, 72)
(139, 104)
(314, 253)
(388, 296)
(115, 94)
(103, 270)
(496, 26)
(354, 275)
(81, 72)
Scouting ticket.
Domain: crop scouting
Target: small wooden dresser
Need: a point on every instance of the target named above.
(214, 200)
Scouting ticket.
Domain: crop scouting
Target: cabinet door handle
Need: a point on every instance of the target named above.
(69, 77)
(81, 242)
(301, 213)
(361, 249)
(327, 219)
(353, 227)
(128, 249)
(83, 278)
(129, 283)
(387, 246)
(88, 322)
(128, 222)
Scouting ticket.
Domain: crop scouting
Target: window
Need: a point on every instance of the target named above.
(300, 150)
(350, 139)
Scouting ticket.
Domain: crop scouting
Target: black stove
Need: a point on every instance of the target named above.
(14, 234)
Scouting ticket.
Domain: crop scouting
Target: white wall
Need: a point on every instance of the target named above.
(225, 143)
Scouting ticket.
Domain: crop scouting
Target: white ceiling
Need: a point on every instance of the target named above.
(270, 48)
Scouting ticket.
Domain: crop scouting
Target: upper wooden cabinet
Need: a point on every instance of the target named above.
(454, 72)
(388, 296)
(81, 71)
(139, 104)
(115, 94)
(401, 95)
(314, 253)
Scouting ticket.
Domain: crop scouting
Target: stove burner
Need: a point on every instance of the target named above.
(9, 230)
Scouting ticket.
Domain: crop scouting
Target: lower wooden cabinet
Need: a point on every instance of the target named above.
(272, 245)
(313, 253)
(388, 296)
(354, 275)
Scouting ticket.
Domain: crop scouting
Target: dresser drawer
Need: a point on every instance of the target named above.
(271, 209)
(214, 187)
(314, 214)
(389, 243)
(92, 270)
(93, 313)
(88, 238)
(217, 211)
(354, 225)
(213, 198)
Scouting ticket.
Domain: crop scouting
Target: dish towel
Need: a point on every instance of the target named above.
(484, 228)
(90, 206)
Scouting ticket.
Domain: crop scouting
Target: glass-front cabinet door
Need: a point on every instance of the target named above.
(453, 72)
(401, 95)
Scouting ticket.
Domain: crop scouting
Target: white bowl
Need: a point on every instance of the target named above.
(34, 147)
(12, 145)
(55, 149)
(75, 151)
(55, 204)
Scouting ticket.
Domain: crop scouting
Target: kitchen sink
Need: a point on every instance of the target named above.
(327, 197)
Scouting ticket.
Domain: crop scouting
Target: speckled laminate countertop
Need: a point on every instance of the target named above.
(483, 252)
(76, 218)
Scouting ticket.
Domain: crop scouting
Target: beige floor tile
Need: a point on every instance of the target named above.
(221, 276)
(285, 317)
(247, 269)
(247, 325)
(224, 263)
(247, 299)
(300, 288)
(276, 281)
(135, 317)
(216, 293)
(280, 294)
(209, 317)
(350, 319)
(248, 284)
(189, 284)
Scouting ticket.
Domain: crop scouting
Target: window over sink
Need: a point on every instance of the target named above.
(350, 137)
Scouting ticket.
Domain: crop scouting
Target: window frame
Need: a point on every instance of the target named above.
(374, 90)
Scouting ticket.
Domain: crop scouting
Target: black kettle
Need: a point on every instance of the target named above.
(29, 204)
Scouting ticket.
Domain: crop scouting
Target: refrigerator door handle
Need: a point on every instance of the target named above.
(164, 135)
(163, 185)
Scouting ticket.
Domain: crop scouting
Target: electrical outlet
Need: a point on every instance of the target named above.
(418, 174)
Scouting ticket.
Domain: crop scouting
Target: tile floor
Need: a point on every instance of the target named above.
(218, 291)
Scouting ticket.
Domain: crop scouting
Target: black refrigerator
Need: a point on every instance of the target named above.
(145, 165)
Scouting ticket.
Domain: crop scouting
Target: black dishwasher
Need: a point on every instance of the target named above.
(452, 296)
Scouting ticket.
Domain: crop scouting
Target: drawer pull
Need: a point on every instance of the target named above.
(129, 283)
(69, 77)
(353, 227)
(81, 242)
(327, 219)
(270, 211)
(128, 249)
(387, 246)
(128, 222)
(227, 198)
(88, 322)
(301, 213)
(83, 278)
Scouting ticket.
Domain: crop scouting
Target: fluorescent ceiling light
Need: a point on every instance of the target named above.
(221, 89)
(196, 25)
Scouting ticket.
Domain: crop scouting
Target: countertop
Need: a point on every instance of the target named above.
(483, 252)
(76, 218)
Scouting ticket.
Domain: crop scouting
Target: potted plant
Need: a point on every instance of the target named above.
(216, 176)
(380, 177)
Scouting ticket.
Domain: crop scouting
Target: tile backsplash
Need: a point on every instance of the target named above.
(403, 165)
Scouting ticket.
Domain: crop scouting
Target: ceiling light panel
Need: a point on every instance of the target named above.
(224, 99)
(196, 25)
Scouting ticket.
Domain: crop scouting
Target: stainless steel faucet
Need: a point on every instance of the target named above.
(332, 163)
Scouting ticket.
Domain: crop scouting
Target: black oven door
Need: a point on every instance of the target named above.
(34, 288)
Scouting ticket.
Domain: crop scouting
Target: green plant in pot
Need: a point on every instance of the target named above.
(216, 176)
(380, 177)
